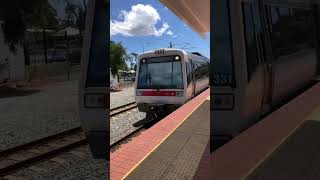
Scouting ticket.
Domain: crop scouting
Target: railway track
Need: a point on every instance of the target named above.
(123, 108)
(126, 138)
(23, 156)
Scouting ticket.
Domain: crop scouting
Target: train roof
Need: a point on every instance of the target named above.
(200, 56)
(165, 49)
(175, 49)
(297, 3)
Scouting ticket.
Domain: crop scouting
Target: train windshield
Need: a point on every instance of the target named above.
(222, 46)
(160, 73)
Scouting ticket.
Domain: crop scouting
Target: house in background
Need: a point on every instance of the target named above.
(12, 65)
(51, 44)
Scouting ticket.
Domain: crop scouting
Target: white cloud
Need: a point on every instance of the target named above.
(141, 20)
(170, 32)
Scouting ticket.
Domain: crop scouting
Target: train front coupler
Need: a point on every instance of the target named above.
(153, 112)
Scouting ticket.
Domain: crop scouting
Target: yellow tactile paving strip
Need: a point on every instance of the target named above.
(180, 154)
(245, 153)
(315, 115)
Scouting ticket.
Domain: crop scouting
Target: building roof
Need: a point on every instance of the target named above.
(38, 30)
(69, 30)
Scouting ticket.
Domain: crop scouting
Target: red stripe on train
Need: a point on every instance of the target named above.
(159, 93)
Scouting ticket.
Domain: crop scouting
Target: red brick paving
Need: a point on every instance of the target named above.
(131, 154)
(236, 159)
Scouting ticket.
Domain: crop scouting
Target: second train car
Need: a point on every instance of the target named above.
(265, 51)
(167, 78)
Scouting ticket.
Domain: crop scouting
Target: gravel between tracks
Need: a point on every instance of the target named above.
(51, 109)
(122, 97)
(71, 166)
(122, 125)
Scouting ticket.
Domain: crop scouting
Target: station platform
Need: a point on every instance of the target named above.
(284, 145)
(174, 148)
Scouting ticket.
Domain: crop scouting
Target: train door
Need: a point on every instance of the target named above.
(224, 84)
(94, 79)
(255, 86)
(193, 78)
(259, 53)
(190, 82)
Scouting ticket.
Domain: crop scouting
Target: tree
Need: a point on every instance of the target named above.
(117, 57)
(130, 59)
(19, 15)
(75, 16)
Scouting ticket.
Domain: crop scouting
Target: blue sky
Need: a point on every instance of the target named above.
(148, 25)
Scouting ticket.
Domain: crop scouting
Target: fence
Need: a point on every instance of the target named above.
(58, 71)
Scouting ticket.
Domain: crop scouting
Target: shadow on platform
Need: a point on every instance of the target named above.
(297, 158)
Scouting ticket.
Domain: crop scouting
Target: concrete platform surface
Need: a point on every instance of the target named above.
(125, 160)
(277, 146)
(298, 158)
(178, 157)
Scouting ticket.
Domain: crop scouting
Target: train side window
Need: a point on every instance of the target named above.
(207, 70)
(291, 30)
(201, 71)
(196, 71)
(250, 39)
(189, 73)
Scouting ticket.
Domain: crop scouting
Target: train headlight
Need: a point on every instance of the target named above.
(139, 93)
(177, 57)
(179, 93)
(223, 102)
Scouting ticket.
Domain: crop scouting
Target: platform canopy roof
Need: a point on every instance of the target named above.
(195, 13)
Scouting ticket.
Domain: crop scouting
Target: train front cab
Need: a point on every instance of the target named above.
(157, 98)
(257, 61)
(94, 80)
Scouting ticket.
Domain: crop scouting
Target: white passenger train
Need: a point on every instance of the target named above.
(94, 80)
(167, 78)
(265, 51)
